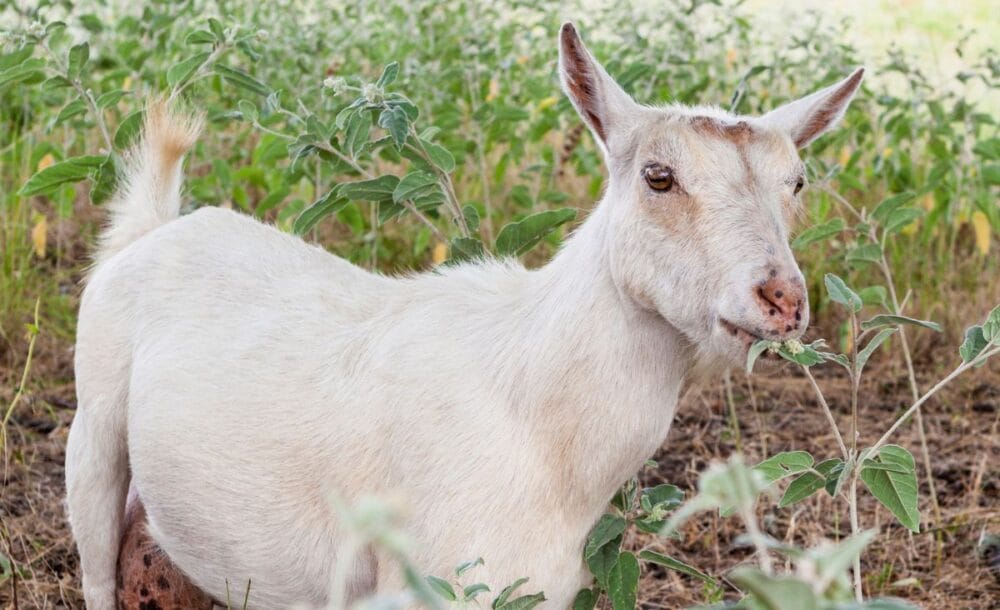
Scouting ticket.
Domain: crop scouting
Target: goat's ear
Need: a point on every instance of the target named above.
(602, 104)
(808, 118)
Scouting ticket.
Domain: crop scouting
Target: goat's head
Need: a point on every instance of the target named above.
(700, 203)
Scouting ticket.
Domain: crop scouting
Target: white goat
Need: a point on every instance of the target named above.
(238, 378)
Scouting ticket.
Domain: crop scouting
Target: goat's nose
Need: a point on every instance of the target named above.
(784, 305)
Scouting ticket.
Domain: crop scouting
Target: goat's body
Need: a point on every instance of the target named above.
(243, 381)
(265, 377)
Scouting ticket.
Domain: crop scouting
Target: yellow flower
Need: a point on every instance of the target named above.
(547, 103)
(494, 90)
(522, 60)
(46, 161)
(439, 253)
(887, 151)
(730, 57)
(39, 236)
(845, 156)
(981, 227)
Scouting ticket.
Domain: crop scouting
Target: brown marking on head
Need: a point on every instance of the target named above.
(738, 133)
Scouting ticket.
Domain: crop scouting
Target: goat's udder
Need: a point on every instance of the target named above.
(147, 579)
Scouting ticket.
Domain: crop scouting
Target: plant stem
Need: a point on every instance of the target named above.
(852, 501)
(202, 71)
(24, 371)
(982, 357)
(758, 541)
(734, 423)
(85, 95)
(367, 174)
(447, 187)
(828, 413)
(855, 382)
(915, 389)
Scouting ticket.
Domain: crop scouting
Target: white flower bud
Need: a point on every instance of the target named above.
(372, 93)
(335, 85)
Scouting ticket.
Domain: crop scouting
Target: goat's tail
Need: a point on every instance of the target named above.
(149, 191)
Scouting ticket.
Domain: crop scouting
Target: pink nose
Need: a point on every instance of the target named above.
(784, 305)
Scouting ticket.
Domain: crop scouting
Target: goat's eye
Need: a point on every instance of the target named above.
(659, 178)
(799, 184)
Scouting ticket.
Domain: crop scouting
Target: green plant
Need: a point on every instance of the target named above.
(888, 471)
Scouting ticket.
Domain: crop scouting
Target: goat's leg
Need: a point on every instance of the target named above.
(146, 576)
(96, 485)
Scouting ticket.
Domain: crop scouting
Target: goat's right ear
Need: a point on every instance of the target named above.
(601, 103)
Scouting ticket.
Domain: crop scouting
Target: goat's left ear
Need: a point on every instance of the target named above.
(602, 104)
(808, 118)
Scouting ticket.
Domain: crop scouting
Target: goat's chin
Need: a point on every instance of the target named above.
(713, 356)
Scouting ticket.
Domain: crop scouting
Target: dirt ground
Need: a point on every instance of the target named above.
(941, 568)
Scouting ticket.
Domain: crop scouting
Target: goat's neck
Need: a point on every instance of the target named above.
(600, 376)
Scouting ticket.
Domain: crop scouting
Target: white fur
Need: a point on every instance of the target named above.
(240, 378)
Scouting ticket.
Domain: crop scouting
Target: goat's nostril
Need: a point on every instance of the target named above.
(771, 313)
(778, 294)
(798, 316)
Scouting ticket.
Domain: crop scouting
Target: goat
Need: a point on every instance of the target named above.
(237, 378)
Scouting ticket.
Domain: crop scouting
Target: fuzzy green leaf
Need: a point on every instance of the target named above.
(775, 592)
(675, 565)
(808, 483)
(840, 293)
(585, 599)
(759, 347)
(623, 582)
(518, 237)
(895, 489)
(128, 129)
(180, 73)
(466, 248)
(397, 123)
(887, 319)
(505, 594)
(241, 79)
(442, 587)
(78, 56)
(607, 529)
(105, 181)
(819, 232)
(328, 204)
(991, 327)
(975, 342)
(73, 169)
(376, 189)
(873, 345)
(414, 185)
(439, 156)
(884, 210)
(784, 464)
(388, 75)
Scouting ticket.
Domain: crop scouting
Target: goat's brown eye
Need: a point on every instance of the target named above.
(659, 178)
(799, 184)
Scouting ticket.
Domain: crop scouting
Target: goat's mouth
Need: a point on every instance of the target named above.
(744, 335)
